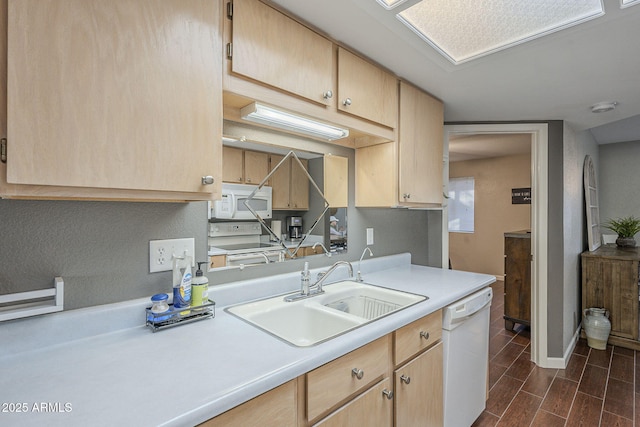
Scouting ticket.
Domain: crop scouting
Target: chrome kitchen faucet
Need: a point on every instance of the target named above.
(307, 290)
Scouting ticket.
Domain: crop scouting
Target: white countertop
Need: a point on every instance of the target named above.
(188, 374)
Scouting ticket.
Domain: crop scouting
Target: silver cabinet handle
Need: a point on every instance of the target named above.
(424, 335)
(388, 393)
(327, 95)
(346, 102)
(358, 373)
(405, 379)
(207, 180)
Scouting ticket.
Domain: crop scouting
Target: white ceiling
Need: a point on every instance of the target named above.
(481, 146)
(556, 77)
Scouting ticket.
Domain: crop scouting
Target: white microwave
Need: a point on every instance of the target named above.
(232, 202)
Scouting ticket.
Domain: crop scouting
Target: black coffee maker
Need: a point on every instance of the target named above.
(294, 225)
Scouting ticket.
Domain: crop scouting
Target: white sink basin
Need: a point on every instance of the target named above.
(342, 307)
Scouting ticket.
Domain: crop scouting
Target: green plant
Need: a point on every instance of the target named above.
(624, 227)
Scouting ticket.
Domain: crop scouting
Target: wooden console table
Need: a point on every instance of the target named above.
(610, 279)
(517, 278)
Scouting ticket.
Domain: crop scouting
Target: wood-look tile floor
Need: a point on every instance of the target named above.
(598, 387)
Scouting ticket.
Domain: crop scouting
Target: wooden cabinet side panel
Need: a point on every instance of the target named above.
(371, 409)
(336, 181)
(420, 137)
(232, 165)
(376, 175)
(517, 281)
(373, 91)
(331, 384)
(114, 94)
(420, 402)
(274, 49)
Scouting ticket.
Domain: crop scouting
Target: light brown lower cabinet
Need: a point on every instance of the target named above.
(275, 408)
(418, 390)
(395, 380)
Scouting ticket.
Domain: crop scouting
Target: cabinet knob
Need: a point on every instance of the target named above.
(424, 335)
(327, 95)
(346, 102)
(388, 393)
(406, 195)
(358, 373)
(248, 179)
(405, 379)
(207, 180)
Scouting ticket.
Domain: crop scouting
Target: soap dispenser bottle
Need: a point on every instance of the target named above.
(199, 288)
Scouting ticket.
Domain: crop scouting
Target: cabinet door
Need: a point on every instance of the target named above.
(256, 166)
(233, 165)
(115, 94)
(275, 408)
(274, 49)
(280, 182)
(299, 197)
(371, 409)
(420, 147)
(418, 391)
(366, 91)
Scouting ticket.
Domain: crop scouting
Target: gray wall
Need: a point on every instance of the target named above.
(101, 249)
(555, 248)
(619, 181)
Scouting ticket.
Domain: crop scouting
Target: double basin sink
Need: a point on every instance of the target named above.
(342, 307)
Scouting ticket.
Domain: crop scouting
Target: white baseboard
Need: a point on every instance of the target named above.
(562, 362)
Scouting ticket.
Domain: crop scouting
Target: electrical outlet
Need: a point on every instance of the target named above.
(161, 253)
(369, 236)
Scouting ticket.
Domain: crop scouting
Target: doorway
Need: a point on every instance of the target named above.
(539, 208)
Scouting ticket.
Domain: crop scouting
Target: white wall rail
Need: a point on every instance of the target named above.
(32, 303)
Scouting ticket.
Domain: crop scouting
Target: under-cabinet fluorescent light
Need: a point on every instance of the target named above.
(269, 116)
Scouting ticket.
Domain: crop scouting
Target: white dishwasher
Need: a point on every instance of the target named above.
(465, 337)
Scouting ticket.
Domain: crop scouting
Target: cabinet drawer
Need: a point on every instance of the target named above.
(417, 336)
(275, 408)
(334, 382)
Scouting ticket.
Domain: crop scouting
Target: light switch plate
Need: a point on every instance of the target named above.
(369, 236)
(161, 253)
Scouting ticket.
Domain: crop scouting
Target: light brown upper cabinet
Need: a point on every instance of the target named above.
(112, 100)
(274, 59)
(336, 181)
(244, 166)
(232, 165)
(366, 90)
(290, 184)
(272, 48)
(420, 146)
(407, 172)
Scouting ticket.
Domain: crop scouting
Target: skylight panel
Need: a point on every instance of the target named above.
(623, 3)
(465, 30)
(390, 4)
